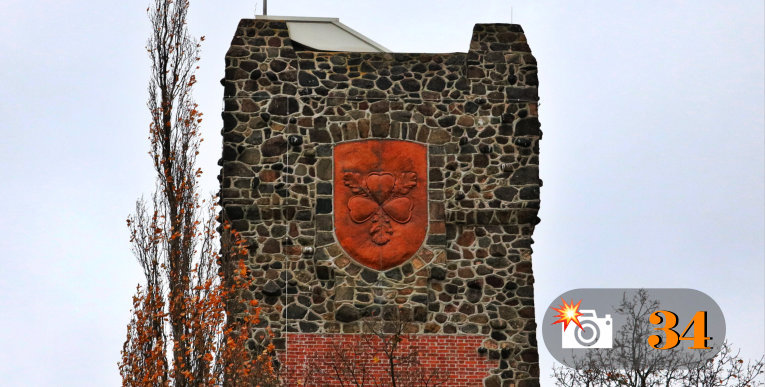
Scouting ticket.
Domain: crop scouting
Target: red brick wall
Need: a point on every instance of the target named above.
(312, 359)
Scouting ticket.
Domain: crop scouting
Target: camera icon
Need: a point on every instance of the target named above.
(596, 332)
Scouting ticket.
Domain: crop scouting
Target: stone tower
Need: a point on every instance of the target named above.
(372, 185)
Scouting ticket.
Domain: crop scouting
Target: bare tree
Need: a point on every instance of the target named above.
(633, 363)
(191, 319)
(727, 369)
(386, 354)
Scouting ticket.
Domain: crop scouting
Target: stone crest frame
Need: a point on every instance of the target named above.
(408, 157)
(430, 251)
(408, 280)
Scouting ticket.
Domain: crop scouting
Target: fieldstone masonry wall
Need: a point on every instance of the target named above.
(287, 107)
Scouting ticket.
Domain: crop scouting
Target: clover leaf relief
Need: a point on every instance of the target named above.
(379, 198)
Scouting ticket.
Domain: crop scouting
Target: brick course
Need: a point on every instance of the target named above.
(451, 357)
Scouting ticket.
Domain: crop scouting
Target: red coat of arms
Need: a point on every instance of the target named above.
(381, 200)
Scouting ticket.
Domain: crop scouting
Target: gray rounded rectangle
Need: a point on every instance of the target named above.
(663, 327)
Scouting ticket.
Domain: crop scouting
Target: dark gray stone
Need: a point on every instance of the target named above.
(383, 83)
(369, 275)
(525, 291)
(437, 273)
(525, 175)
(324, 273)
(272, 289)
(505, 193)
(530, 382)
(363, 83)
(529, 193)
(498, 262)
(410, 85)
(436, 84)
(527, 127)
(307, 79)
(308, 327)
(473, 295)
(283, 106)
(278, 65)
(295, 311)
(323, 206)
(394, 274)
(347, 313)
(447, 121)
(234, 168)
(522, 142)
(274, 146)
(522, 93)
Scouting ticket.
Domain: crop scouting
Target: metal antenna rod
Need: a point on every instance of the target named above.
(265, 7)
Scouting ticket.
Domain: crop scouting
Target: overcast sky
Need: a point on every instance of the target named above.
(652, 156)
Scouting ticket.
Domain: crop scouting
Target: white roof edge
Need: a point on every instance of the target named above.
(360, 36)
(333, 20)
(298, 18)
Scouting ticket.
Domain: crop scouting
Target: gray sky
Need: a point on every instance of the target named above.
(652, 157)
